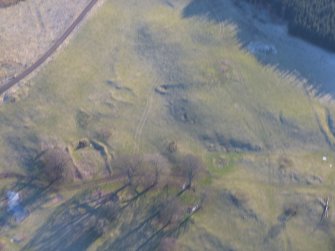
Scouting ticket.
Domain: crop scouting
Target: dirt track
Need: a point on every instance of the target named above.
(48, 53)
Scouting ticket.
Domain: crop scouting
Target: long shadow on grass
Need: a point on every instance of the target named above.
(76, 224)
(145, 230)
(71, 227)
(136, 221)
(135, 230)
(23, 197)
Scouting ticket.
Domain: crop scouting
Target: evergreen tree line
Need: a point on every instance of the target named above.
(313, 20)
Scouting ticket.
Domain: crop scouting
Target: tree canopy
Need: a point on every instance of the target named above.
(313, 20)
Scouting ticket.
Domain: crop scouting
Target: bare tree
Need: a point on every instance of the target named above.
(188, 170)
(56, 165)
(126, 166)
(139, 174)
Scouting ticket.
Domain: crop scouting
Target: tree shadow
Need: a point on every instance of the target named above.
(23, 148)
(266, 37)
(151, 222)
(135, 230)
(79, 222)
(28, 191)
(205, 8)
(76, 224)
(137, 219)
(30, 195)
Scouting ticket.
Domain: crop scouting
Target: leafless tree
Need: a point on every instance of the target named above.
(188, 170)
(56, 165)
(139, 174)
(127, 166)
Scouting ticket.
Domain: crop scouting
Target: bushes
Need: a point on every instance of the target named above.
(56, 165)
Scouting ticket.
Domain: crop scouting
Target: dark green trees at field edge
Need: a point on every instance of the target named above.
(313, 20)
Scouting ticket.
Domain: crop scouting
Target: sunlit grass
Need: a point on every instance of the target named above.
(245, 100)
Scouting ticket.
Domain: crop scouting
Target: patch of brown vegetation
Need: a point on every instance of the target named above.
(57, 165)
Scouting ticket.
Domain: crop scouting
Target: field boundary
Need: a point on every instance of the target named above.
(15, 80)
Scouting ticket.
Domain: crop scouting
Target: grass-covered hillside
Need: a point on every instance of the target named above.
(153, 130)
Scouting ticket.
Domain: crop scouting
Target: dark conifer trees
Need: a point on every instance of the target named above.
(313, 20)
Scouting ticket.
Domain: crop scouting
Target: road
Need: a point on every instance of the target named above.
(48, 53)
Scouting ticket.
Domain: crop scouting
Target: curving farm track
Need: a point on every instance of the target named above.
(48, 53)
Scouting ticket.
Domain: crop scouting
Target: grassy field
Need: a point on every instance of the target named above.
(146, 75)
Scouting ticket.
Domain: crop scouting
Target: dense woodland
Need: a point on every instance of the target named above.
(313, 20)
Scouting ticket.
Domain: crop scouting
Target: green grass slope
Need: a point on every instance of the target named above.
(144, 75)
